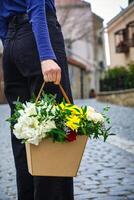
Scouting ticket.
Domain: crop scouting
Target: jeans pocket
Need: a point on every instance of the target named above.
(26, 55)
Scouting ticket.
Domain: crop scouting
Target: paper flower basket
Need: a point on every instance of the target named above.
(54, 158)
(55, 134)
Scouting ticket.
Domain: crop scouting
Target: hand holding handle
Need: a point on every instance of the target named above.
(61, 88)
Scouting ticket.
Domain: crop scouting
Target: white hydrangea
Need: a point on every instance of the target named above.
(29, 128)
(24, 125)
(34, 136)
(18, 132)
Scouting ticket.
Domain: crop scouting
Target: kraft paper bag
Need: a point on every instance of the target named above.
(54, 158)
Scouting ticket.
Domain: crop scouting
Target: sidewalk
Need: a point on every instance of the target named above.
(107, 169)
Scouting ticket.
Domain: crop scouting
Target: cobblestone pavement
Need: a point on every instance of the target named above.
(107, 169)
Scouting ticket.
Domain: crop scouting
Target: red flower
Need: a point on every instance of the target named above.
(71, 136)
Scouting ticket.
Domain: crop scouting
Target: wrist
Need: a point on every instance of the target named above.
(44, 61)
(45, 58)
(48, 61)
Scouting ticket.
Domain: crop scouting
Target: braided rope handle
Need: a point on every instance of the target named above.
(61, 88)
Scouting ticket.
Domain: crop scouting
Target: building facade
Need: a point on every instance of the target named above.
(84, 38)
(121, 37)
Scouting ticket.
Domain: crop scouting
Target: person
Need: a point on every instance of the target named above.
(34, 51)
(92, 93)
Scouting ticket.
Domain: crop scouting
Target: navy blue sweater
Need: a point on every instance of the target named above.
(36, 10)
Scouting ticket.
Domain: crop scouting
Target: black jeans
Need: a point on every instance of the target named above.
(22, 77)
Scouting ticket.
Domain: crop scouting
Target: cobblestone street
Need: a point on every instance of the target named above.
(107, 169)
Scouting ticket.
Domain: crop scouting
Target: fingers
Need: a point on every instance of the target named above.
(50, 77)
(51, 71)
(58, 77)
(53, 77)
(46, 79)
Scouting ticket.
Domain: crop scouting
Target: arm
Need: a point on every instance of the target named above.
(3, 28)
(37, 16)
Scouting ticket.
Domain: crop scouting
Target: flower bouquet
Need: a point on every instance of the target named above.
(43, 123)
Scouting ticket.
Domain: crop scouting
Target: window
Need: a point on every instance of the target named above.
(121, 41)
(130, 28)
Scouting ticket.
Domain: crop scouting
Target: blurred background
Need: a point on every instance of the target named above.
(99, 40)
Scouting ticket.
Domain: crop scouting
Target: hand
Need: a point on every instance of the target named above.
(51, 71)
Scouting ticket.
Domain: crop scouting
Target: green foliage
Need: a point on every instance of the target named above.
(14, 118)
(95, 130)
(118, 78)
(57, 135)
(48, 109)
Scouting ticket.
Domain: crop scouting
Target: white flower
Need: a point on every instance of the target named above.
(30, 108)
(21, 112)
(43, 104)
(53, 110)
(46, 106)
(27, 121)
(49, 107)
(48, 125)
(18, 131)
(95, 117)
(29, 128)
(34, 140)
(34, 137)
(24, 125)
(90, 109)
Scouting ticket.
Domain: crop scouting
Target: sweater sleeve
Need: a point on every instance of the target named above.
(37, 15)
(3, 28)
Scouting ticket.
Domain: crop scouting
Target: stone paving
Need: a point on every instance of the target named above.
(107, 169)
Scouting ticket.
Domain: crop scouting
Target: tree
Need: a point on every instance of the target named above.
(76, 21)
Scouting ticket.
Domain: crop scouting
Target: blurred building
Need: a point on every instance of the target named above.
(84, 39)
(121, 36)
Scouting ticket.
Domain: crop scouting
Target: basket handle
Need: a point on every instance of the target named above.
(61, 88)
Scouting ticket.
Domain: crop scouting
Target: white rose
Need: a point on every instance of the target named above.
(95, 117)
(90, 109)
